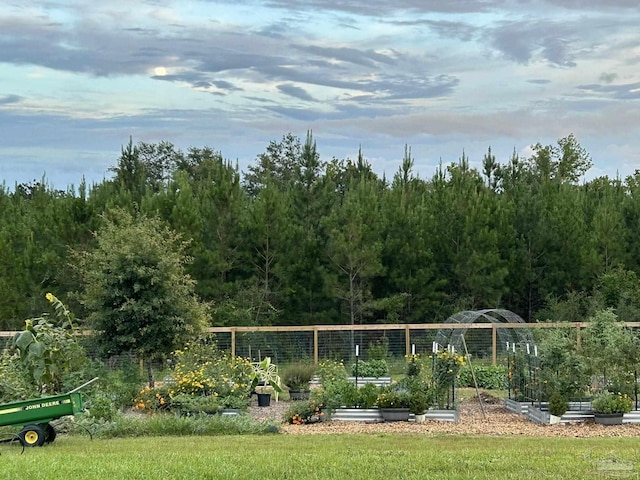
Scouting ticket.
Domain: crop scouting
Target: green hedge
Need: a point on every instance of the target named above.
(492, 377)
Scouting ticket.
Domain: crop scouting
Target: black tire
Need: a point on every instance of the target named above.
(49, 433)
(32, 436)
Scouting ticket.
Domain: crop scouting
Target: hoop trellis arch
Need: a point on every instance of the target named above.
(453, 336)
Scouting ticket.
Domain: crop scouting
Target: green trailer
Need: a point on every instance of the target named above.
(35, 415)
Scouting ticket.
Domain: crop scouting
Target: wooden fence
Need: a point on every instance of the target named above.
(317, 342)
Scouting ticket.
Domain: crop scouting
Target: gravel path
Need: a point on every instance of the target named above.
(498, 421)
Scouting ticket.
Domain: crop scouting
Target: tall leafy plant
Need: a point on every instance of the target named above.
(48, 348)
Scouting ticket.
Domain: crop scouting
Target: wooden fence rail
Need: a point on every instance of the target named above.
(406, 332)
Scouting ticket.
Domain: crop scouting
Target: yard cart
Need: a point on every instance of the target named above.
(35, 415)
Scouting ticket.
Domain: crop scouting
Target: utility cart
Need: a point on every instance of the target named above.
(35, 415)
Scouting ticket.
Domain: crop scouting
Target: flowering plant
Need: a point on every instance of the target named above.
(446, 369)
(608, 402)
(152, 399)
(393, 399)
(201, 369)
(306, 411)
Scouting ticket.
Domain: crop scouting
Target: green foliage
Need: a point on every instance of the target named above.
(153, 399)
(611, 351)
(371, 368)
(335, 393)
(329, 370)
(297, 375)
(414, 366)
(557, 404)
(563, 367)
(392, 398)
(137, 291)
(200, 368)
(608, 402)
(367, 396)
(120, 386)
(298, 240)
(492, 377)
(49, 350)
(173, 425)
(187, 404)
(419, 402)
(101, 406)
(15, 382)
(379, 350)
(446, 368)
(305, 411)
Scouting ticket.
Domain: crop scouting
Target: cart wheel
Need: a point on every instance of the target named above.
(31, 436)
(49, 433)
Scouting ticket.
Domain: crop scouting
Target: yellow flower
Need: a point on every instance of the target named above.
(49, 296)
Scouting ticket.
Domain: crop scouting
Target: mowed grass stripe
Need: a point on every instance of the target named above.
(368, 457)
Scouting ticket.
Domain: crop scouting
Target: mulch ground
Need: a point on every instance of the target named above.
(484, 416)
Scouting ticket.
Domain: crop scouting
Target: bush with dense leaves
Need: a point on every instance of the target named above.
(491, 377)
(371, 368)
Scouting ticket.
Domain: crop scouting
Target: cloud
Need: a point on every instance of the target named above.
(383, 8)
(350, 55)
(629, 91)
(443, 28)
(9, 99)
(608, 77)
(295, 92)
(526, 41)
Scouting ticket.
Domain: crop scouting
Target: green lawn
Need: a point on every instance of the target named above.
(370, 457)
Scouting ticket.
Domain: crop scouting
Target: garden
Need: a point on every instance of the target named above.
(204, 390)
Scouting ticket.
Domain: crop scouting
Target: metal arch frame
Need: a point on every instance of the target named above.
(496, 316)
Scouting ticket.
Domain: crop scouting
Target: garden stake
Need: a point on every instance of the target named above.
(473, 375)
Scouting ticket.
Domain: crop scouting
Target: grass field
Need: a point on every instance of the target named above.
(368, 457)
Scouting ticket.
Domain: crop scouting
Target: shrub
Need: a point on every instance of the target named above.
(336, 393)
(371, 368)
(101, 407)
(414, 366)
(202, 369)
(418, 402)
(156, 399)
(367, 396)
(192, 404)
(379, 350)
(330, 370)
(393, 399)
(608, 402)
(491, 377)
(557, 404)
(306, 411)
(447, 365)
(173, 425)
(297, 376)
(14, 382)
(120, 386)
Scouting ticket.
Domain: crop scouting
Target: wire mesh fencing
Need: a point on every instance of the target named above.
(486, 343)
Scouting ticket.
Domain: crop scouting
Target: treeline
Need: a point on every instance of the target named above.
(297, 240)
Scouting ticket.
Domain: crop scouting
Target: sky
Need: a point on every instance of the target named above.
(79, 78)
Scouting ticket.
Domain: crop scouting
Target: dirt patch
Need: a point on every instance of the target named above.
(486, 416)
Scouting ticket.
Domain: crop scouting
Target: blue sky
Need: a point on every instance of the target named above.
(78, 78)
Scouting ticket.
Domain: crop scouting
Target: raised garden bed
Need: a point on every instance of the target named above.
(373, 415)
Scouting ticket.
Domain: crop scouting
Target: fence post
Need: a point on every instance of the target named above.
(233, 342)
(315, 345)
(494, 345)
(407, 340)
